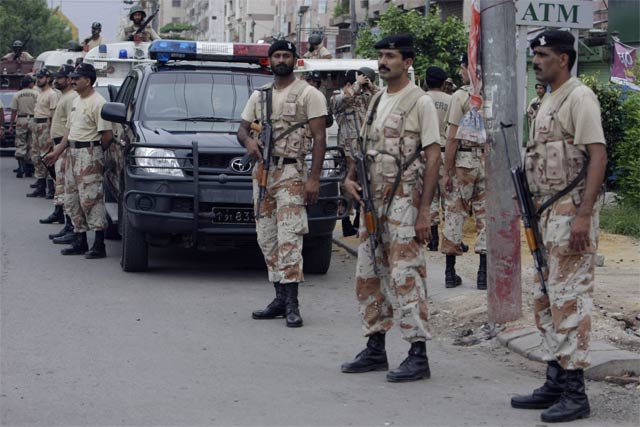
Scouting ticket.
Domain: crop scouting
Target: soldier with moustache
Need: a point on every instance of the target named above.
(86, 136)
(22, 106)
(298, 120)
(565, 165)
(62, 83)
(401, 143)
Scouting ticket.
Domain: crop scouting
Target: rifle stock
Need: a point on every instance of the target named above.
(369, 210)
(266, 136)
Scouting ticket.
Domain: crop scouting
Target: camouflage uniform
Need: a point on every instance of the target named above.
(552, 161)
(349, 107)
(401, 260)
(468, 187)
(146, 35)
(58, 123)
(283, 216)
(319, 53)
(24, 102)
(84, 201)
(40, 147)
(441, 100)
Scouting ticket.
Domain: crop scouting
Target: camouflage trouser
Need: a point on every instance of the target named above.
(401, 261)
(468, 190)
(59, 197)
(39, 148)
(564, 315)
(438, 198)
(84, 193)
(24, 136)
(283, 222)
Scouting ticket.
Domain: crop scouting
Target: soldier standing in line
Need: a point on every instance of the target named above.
(87, 135)
(18, 55)
(62, 83)
(464, 182)
(401, 140)
(43, 111)
(95, 39)
(138, 15)
(316, 49)
(22, 105)
(297, 110)
(436, 78)
(532, 109)
(566, 151)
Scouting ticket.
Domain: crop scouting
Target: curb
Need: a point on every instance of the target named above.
(606, 359)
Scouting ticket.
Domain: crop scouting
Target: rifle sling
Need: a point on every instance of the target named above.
(288, 131)
(566, 190)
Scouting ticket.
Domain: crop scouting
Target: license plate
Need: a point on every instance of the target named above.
(233, 216)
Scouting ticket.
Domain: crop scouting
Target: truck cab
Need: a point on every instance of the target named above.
(177, 174)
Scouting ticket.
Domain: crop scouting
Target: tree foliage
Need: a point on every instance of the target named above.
(20, 19)
(437, 42)
(627, 153)
(176, 27)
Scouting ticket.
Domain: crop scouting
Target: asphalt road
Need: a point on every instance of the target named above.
(83, 343)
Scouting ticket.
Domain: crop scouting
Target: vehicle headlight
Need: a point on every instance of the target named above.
(328, 166)
(158, 161)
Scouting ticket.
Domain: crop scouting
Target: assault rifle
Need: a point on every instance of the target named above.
(527, 213)
(266, 136)
(369, 209)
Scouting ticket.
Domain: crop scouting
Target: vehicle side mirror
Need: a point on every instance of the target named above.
(114, 112)
(113, 92)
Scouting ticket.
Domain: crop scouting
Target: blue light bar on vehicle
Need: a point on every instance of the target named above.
(166, 50)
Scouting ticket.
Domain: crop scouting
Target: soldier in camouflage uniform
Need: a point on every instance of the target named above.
(22, 105)
(566, 141)
(464, 182)
(316, 49)
(400, 138)
(300, 110)
(62, 83)
(87, 136)
(43, 111)
(137, 15)
(435, 78)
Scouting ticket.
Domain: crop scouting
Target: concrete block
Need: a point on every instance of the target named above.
(507, 335)
(537, 353)
(602, 346)
(525, 343)
(612, 362)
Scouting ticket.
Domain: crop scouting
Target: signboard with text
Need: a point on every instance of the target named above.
(555, 13)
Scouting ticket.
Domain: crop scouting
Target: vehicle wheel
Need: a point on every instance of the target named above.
(135, 250)
(317, 255)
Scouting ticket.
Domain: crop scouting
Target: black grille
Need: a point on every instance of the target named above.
(214, 161)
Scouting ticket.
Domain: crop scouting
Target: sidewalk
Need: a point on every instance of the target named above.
(606, 359)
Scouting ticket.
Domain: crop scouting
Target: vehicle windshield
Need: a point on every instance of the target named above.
(210, 97)
(6, 98)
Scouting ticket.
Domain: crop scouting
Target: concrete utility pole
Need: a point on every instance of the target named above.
(354, 27)
(498, 43)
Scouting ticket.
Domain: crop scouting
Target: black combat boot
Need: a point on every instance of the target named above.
(98, 249)
(435, 239)
(347, 228)
(51, 190)
(28, 169)
(20, 170)
(68, 228)
(78, 247)
(573, 404)
(372, 358)
(482, 272)
(66, 239)
(56, 216)
(451, 279)
(547, 395)
(292, 311)
(39, 189)
(276, 308)
(414, 367)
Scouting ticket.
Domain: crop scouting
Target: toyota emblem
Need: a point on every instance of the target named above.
(238, 166)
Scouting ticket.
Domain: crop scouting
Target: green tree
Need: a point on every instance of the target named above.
(437, 42)
(32, 20)
(176, 27)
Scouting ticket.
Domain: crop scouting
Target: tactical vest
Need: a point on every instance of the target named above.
(394, 152)
(298, 143)
(552, 161)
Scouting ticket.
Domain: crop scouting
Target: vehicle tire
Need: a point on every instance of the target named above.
(135, 250)
(317, 254)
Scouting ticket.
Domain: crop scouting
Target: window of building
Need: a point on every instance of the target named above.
(176, 3)
(175, 20)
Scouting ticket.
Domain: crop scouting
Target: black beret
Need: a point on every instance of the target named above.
(43, 72)
(401, 42)
(64, 71)
(84, 70)
(313, 76)
(283, 45)
(554, 38)
(436, 73)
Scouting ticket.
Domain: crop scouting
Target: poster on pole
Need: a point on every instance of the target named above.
(623, 68)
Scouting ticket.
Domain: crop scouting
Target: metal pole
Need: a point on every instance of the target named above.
(299, 33)
(427, 6)
(354, 27)
(503, 224)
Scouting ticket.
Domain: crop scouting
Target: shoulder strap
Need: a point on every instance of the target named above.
(299, 88)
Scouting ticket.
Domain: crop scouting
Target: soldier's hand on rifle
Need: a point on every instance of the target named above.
(579, 238)
(254, 149)
(311, 191)
(423, 229)
(353, 188)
